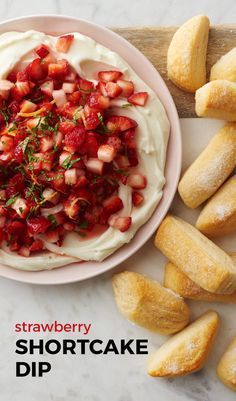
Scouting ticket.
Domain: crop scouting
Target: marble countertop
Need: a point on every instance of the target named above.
(80, 378)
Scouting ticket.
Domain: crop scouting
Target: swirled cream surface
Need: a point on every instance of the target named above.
(87, 56)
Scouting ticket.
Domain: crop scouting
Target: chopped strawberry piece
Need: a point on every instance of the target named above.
(81, 181)
(46, 143)
(20, 89)
(52, 236)
(75, 138)
(94, 165)
(138, 99)
(58, 139)
(50, 195)
(42, 51)
(92, 121)
(16, 227)
(47, 88)
(69, 226)
(126, 86)
(92, 146)
(74, 97)
(66, 126)
(98, 101)
(21, 207)
(5, 87)
(27, 106)
(84, 194)
(113, 204)
(63, 43)
(58, 70)
(85, 86)
(70, 176)
(69, 87)
(137, 181)
(71, 206)
(22, 76)
(106, 153)
(137, 198)
(6, 143)
(24, 251)
(3, 220)
(38, 225)
(120, 223)
(117, 124)
(109, 76)
(60, 97)
(35, 70)
(113, 90)
(115, 142)
(37, 245)
(18, 154)
(12, 76)
(132, 157)
(101, 86)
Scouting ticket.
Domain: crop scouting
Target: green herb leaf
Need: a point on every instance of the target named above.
(84, 224)
(24, 143)
(12, 199)
(126, 105)
(52, 219)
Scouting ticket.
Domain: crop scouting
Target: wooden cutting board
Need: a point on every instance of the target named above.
(154, 42)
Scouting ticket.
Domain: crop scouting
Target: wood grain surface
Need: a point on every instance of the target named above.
(153, 43)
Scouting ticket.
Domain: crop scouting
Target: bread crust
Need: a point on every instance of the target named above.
(187, 351)
(217, 99)
(211, 168)
(148, 304)
(179, 282)
(226, 368)
(218, 217)
(225, 67)
(197, 256)
(186, 57)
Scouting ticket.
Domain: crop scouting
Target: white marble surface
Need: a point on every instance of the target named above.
(125, 12)
(100, 378)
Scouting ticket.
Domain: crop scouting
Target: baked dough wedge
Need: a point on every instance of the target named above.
(225, 67)
(187, 351)
(211, 168)
(186, 57)
(148, 304)
(197, 256)
(218, 217)
(179, 282)
(226, 369)
(217, 99)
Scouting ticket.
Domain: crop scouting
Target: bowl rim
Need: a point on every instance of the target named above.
(54, 275)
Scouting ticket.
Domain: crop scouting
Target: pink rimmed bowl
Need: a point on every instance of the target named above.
(57, 25)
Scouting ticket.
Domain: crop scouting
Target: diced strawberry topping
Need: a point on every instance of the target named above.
(117, 124)
(113, 89)
(113, 204)
(63, 43)
(138, 99)
(75, 138)
(38, 225)
(42, 51)
(137, 181)
(106, 153)
(35, 70)
(64, 153)
(137, 198)
(120, 223)
(95, 165)
(126, 86)
(109, 76)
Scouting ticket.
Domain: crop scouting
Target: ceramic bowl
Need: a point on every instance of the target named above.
(57, 25)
